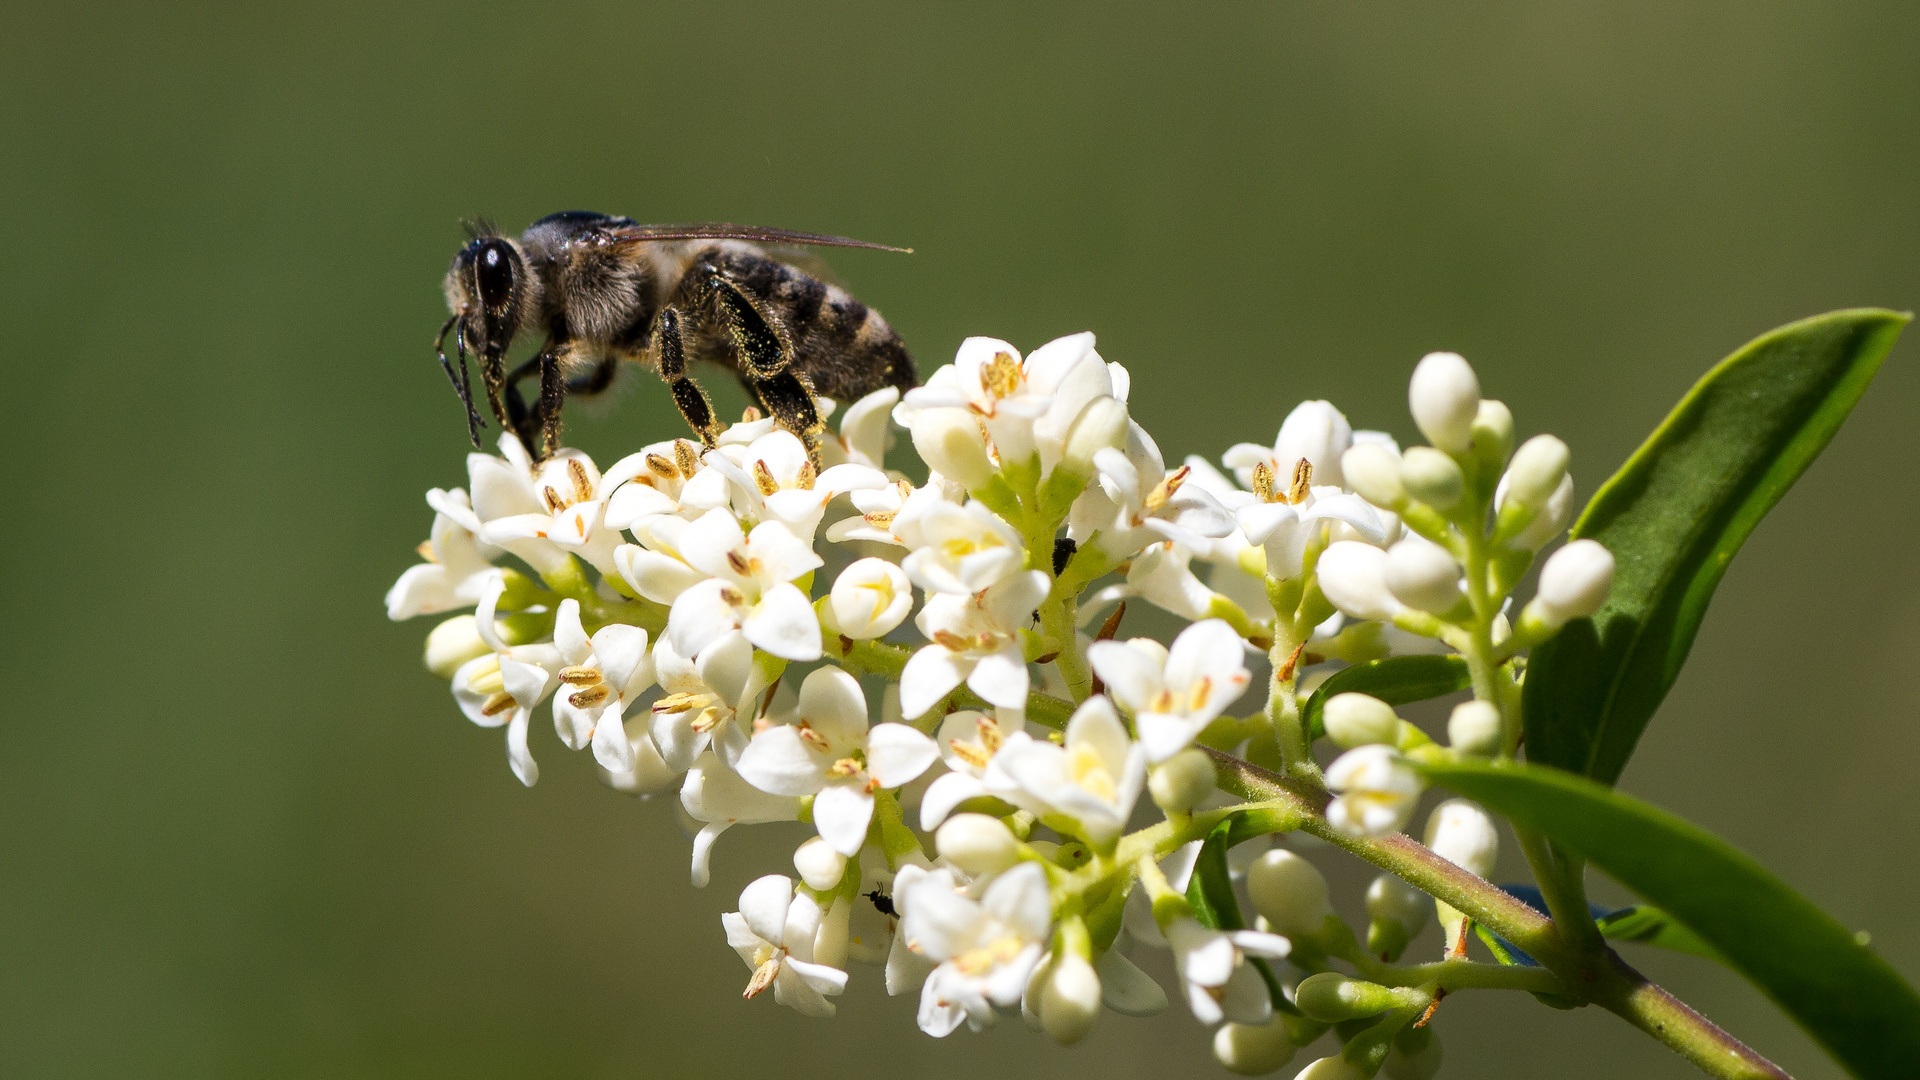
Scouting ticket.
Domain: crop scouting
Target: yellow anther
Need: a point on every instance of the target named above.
(879, 519)
(1000, 376)
(678, 702)
(590, 696)
(1197, 698)
(708, 719)
(763, 977)
(554, 502)
(490, 683)
(1087, 769)
(1263, 482)
(425, 549)
(496, 704)
(808, 474)
(737, 562)
(685, 458)
(846, 766)
(750, 414)
(812, 738)
(580, 675)
(1302, 482)
(987, 957)
(990, 737)
(972, 753)
(763, 478)
(952, 641)
(582, 483)
(662, 467)
(731, 596)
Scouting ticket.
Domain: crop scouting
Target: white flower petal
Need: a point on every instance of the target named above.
(783, 623)
(931, 674)
(763, 904)
(898, 754)
(842, 812)
(778, 761)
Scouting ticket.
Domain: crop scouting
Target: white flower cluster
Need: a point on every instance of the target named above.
(973, 773)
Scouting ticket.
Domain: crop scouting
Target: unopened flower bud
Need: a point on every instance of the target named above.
(1330, 1068)
(951, 442)
(1186, 778)
(1415, 1055)
(1574, 583)
(1547, 523)
(977, 844)
(1331, 997)
(820, 866)
(1101, 425)
(1070, 999)
(1444, 396)
(1253, 1049)
(1492, 433)
(1462, 833)
(1372, 470)
(1289, 892)
(1474, 728)
(1421, 574)
(453, 643)
(1378, 791)
(1396, 911)
(1353, 576)
(1357, 720)
(1536, 471)
(1432, 477)
(1318, 432)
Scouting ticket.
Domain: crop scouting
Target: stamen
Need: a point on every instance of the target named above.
(763, 478)
(952, 641)
(1202, 690)
(684, 458)
(1000, 376)
(846, 766)
(582, 484)
(812, 738)
(731, 596)
(677, 702)
(989, 732)
(808, 474)
(750, 414)
(425, 549)
(554, 503)
(971, 753)
(738, 563)
(491, 683)
(496, 704)
(1263, 482)
(662, 467)
(879, 519)
(1302, 482)
(763, 977)
(708, 720)
(591, 696)
(580, 675)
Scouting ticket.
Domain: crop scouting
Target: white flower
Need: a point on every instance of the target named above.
(986, 949)
(749, 588)
(988, 380)
(1573, 584)
(504, 685)
(604, 676)
(1424, 575)
(1378, 791)
(1162, 574)
(571, 502)
(831, 754)
(705, 699)
(975, 639)
(1174, 693)
(649, 774)
(1220, 985)
(1314, 431)
(457, 565)
(1286, 529)
(509, 486)
(870, 598)
(865, 431)
(774, 480)
(654, 567)
(963, 549)
(967, 742)
(1444, 396)
(719, 799)
(773, 932)
(1093, 778)
(673, 481)
(1138, 502)
(891, 515)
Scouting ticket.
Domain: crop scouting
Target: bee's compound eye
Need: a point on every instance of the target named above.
(493, 270)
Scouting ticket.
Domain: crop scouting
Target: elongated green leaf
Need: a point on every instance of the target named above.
(1673, 517)
(1649, 925)
(1210, 892)
(1396, 680)
(1846, 997)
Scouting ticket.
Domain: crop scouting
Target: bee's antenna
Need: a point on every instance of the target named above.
(461, 385)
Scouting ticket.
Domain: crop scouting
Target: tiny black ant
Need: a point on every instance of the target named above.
(882, 902)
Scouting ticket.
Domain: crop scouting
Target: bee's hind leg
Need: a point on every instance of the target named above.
(670, 356)
(789, 400)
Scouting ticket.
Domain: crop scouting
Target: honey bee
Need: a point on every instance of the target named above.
(605, 289)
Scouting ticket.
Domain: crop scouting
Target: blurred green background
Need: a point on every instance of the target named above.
(246, 835)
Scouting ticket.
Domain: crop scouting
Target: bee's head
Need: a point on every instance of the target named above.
(489, 292)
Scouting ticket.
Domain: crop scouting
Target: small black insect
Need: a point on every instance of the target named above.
(882, 902)
(1064, 550)
(604, 289)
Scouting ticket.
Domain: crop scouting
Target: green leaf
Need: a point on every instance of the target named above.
(1675, 514)
(1847, 998)
(1396, 680)
(1210, 893)
(1648, 925)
